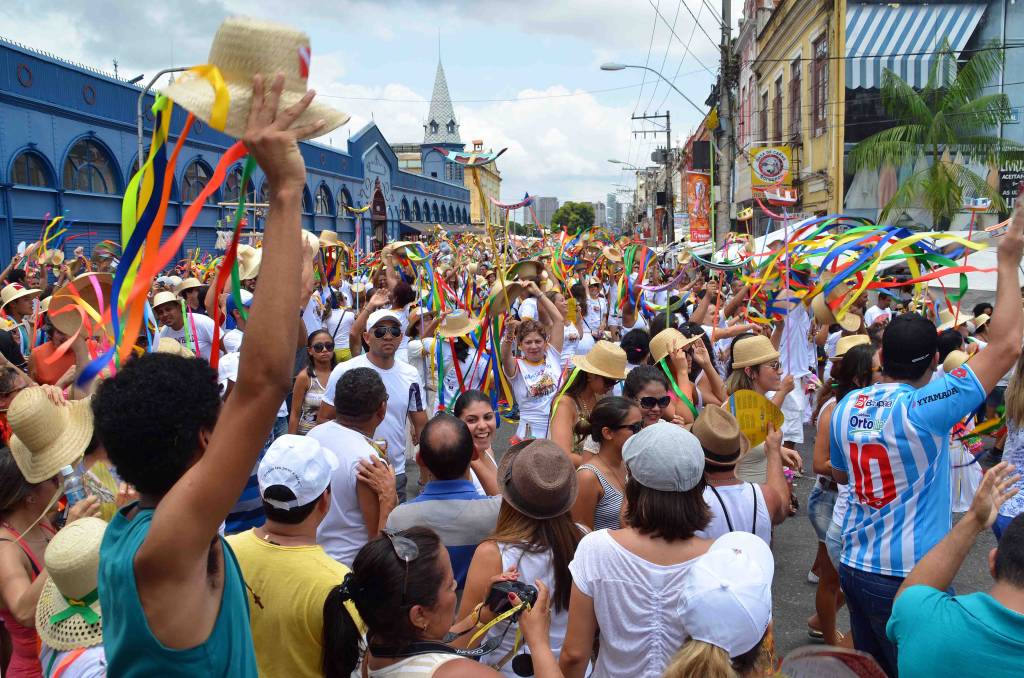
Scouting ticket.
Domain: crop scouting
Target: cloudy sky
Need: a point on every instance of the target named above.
(523, 75)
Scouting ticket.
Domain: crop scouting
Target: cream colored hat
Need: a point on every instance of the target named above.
(755, 350)
(249, 260)
(68, 613)
(606, 359)
(46, 437)
(16, 291)
(666, 341)
(162, 298)
(168, 345)
(502, 290)
(188, 284)
(846, 343)
(948, 320)
(954, 360)
(457, 324)
(329, 239)
(242, 48)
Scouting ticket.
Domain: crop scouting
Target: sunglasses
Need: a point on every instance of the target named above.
(323, 346)
(609, 381)
(381, 332)
(775, 365)
(634, 427)
(406, 550)
(650, 402)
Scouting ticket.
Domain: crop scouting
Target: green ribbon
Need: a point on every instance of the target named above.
(81, 608)
(683, 398)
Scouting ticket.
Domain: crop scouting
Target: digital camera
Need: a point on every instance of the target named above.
(497, 598)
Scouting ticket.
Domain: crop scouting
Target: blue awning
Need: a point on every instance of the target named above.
(903, 38)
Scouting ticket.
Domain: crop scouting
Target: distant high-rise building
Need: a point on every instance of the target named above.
(614, 212)
(545, 209)
(600, 215)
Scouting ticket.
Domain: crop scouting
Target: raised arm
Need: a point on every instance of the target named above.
(996, 359)
(189, 515)
(508, 348)
(549, 314)
(379, 299)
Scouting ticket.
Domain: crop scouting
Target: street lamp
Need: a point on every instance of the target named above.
(612, 66)
(622, 162)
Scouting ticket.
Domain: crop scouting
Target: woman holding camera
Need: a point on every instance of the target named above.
(403, 590)
(535, 539)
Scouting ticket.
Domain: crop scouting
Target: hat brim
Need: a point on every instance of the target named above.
(758, 360)
(70, 322)
(471, 325)
(851, 322)
(21, 295)
(70, 633)
(185, 287)
(502, 295)
(196, 96)
(68, 447)
(509, 495)
(581, 362)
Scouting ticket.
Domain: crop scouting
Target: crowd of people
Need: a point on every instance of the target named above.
(262, 518)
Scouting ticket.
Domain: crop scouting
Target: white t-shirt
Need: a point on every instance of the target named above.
(311, 314)
(528, 309)
(570, 341)
(343, 531)
(597, 309)
(874, 313)
(90, 664)
(534, 387)
(339, 324)
(405, 395)
(232, 341)
(203, 335)
(737, 501)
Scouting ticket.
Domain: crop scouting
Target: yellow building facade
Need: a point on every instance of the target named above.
(797, 101)
(490, 183)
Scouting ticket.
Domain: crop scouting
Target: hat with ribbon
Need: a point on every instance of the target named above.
(16, 291)
(46, 437)
(68, 614)
(720, 435)
(89, 292)
(220, 91)
(755, 350)
(457, 324)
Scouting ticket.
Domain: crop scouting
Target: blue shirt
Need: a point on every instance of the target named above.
(937, 634)
(893, 442)
(457, 512)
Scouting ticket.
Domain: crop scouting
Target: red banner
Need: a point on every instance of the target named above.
(698, 201)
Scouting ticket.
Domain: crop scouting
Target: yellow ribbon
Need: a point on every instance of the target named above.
(221, 96)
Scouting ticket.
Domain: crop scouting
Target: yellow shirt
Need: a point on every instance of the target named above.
(287, 586)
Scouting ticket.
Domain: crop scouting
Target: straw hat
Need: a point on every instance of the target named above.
(70, 321)
(606, 359)
(242, 48)
(612, 253)
(44, 305)
(668, 339)
(954, 360)
(249, 259)
(720, 435)
(820, 303)
(46, 437)
(537, 479)
(457, 324)
(751, 351)
(168, 345)
(329, 239)
(16, 291)
(188, 284)
(162, 298)
(848, 342)
(980, 320)
(527, 269)
(52, 257)
(949, 320)
(68, 613)
(502, 290)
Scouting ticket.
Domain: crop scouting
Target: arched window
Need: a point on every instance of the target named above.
(307, 200)
(417, 215)
(344, 199)
(437, 214)
(406, 215)
(451, 127)
(30, 169)
(447, 215)
(196, 176)
(232, 185)
(324, 204)
(433, 127)
(90, 168)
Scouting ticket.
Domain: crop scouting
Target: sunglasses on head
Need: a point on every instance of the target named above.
(634, 427)
(321, 346)
(381, 332)
(406, 550)
(650, 402)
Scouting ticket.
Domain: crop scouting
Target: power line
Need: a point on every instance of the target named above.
(714, 13)
(647, 62)
(685, 46)
(690, 12)
(668, 47)
(681, 59)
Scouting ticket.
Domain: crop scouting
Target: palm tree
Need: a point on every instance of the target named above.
(951, 115)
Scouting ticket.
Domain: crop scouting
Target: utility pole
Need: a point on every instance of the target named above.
(669, 209)
(726, 159)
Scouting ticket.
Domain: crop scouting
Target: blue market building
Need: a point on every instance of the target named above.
(68, 145)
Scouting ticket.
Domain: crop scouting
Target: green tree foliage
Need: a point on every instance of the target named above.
(573, 216)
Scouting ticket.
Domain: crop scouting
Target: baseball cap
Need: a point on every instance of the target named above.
(231, 307)
(382, 314)
(664, 457)
(299, 463)
(727, 595)
(909, 342)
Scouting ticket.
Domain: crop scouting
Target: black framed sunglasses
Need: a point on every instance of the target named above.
(381, 332)
(321, 346)
(406, 550)
(635, 427)
(650, 402)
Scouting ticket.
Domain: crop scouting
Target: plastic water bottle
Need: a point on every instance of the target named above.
(74, 489)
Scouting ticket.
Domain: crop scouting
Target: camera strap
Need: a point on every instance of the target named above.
(427, 646)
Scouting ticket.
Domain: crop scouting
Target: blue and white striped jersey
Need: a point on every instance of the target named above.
(893, 442)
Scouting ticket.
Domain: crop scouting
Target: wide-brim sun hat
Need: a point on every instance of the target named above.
(249, 260)
(188, 284)
(605, 359)
(846, 343)
(68, 614)
(612, 253)
(16, 291)
(504, 292)
(536, 478)
(242, 48)
(328, 239)
(527, 269)
(85, 287)
(667, 340)
(949, 319)
(457, 324)
(46, 437)
(755, 350)
(171, 346)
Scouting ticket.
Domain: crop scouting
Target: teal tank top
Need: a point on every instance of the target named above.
(130, 646)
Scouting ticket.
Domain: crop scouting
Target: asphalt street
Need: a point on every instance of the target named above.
(795, 545)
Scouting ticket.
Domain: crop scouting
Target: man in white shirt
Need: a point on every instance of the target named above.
(880, 312)
(199, 333)
(383, 335)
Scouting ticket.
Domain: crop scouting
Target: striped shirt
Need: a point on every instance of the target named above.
(893, 442)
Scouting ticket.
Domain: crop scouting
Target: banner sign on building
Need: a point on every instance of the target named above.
(769, 166)
(698, 200)
(1011, 175)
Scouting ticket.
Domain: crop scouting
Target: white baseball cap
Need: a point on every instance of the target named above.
(664, 457)
(382, 314)
(727, 596)
(299, 463)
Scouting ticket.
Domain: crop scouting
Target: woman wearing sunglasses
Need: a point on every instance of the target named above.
(602, 479)
(596, 374)
(403, 591)
(648, 387)
(310, 383)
